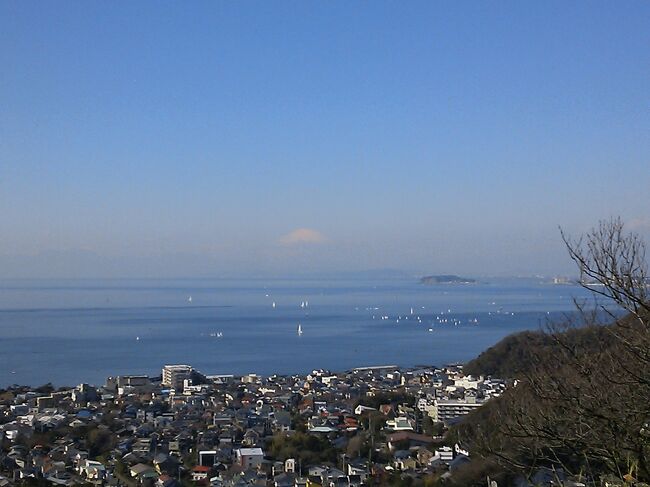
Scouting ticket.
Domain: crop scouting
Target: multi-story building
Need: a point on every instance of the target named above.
(447, 409)
(175, 375)
(249, 457)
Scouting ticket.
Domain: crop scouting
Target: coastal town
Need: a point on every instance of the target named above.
(381, 425)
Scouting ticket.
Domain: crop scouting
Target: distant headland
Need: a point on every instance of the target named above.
(446, 279)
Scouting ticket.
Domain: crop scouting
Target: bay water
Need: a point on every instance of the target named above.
(73, 331)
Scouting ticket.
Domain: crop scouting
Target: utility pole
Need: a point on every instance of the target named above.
(372, 439)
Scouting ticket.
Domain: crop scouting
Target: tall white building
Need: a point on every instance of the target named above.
(175, 375)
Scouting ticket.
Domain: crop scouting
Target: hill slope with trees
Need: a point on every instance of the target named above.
(581, 403)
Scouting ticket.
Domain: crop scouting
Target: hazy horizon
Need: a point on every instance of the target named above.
(286, 139)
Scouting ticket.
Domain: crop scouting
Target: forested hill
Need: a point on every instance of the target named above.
(581, 404)
(516, 354)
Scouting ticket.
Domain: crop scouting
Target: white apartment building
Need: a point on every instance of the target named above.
(175, 375)
(446, 409)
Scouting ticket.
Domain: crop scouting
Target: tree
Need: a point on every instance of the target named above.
(355, 445)
(99, 441)
(432, 428)
(581, 405)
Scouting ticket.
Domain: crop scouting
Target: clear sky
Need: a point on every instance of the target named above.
(223, 138)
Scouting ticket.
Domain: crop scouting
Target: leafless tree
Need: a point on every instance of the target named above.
(612, 263)
(583, 405)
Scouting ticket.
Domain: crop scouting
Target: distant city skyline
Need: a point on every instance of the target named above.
(295, 138)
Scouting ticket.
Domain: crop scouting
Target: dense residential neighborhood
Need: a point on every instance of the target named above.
(368, 426)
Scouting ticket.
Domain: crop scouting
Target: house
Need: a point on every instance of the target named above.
(199, 473)
(62, 478)
(142, 447)
(360, 409)
(290, 465)
(165, 463)
(283, 480)
(91, 470)
(52, 469)
(413, 439)
(404, 462)
(251, 438)
(281, 421)
(207, 458)
(357, 470)
(400, 423)
(140, 471)
(249, 458)
(445, 453)
(166, 481)
(327, 476)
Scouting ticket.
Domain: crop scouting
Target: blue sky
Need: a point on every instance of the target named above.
(223, 138)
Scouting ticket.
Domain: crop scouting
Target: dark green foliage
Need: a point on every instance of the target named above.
(397, 397)
(35, 482)
(309, 449)
(99, 442)
(476, 473)
(299, 423)
(517, 354)
(120, 468)
(43, 439)
(430, 428)
(373, 421)
(398, 479)
(508, 357)
(45, 388)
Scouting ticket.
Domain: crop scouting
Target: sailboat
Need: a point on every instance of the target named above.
(273, 305)
(299, 329)
(189, 300)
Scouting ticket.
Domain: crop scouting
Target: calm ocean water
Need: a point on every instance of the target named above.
(72, 331)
